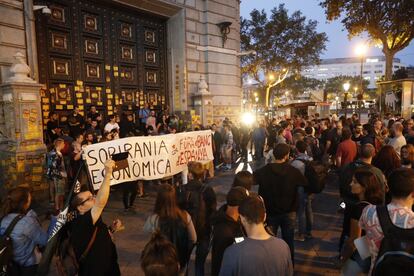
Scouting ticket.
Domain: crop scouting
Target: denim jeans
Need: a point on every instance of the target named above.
(201, 256)
(287, 224)
(305, 215)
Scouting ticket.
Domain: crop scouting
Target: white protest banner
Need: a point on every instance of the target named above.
(150, 157)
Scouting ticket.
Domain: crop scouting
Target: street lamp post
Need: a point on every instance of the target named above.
(244, 105)
(360, 51)
(336, 100)
(346, 88)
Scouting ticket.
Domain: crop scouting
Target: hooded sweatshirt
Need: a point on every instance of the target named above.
(225, 229)
(278, 185)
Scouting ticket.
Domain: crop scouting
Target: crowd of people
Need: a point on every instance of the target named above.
(372, 162)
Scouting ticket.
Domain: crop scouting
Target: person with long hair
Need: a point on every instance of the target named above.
(368, 189)
(27, 234)
(172, 222)
(387, 160)
(159, 257)
(407, 156)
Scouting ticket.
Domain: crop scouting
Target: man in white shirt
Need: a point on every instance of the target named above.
(112, 124)
(399, 140)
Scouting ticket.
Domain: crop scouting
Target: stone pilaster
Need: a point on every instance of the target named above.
(22, 151)
(203, 103)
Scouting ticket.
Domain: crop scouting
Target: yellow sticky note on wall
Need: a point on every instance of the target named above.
(80, 101)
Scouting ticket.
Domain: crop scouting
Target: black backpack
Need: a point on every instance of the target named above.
(396, 254)
(6, 247)
(193, 202)
(176, 232)
(315, 173)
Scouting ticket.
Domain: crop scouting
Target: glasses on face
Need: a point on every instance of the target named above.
(86, 200)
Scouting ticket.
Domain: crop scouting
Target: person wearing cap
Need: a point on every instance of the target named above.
(259, 253)
(90, 236)
(226, 226)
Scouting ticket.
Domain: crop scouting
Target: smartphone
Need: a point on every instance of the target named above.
(121, 160)
(238, 239)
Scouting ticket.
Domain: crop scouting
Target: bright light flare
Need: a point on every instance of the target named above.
(346, 86)
(361, 49)
(247, 118)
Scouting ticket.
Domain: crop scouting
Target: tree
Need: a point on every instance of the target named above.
(298, 84)
(335, 85)
(387, 22)
(283, 44)
(401, 73)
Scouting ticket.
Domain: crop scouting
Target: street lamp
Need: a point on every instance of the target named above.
(256, 100)
(361, 50)
(346, 86)
(244, 104)
(336, 100)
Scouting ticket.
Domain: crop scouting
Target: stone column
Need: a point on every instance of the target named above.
(203, 102)
(22, 150)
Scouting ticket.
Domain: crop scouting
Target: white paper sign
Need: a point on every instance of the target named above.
(150, 157)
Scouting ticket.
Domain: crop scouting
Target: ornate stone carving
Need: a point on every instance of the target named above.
(202, 86)
(20, 70)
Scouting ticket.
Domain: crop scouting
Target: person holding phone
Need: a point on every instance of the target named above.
(90, 236)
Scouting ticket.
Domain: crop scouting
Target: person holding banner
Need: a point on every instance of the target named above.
(90, 236)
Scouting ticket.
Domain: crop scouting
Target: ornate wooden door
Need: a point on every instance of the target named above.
(102, 54)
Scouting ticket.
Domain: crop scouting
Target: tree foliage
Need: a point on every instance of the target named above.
(298, 84)
(280, 41)
(388, 22)
(335, 85)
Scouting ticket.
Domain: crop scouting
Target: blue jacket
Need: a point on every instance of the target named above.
(26, 235)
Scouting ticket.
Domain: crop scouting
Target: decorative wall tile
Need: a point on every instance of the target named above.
(149, 36)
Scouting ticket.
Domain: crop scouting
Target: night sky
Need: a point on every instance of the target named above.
(338, 45)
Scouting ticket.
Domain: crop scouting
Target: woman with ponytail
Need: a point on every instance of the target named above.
(27, 233)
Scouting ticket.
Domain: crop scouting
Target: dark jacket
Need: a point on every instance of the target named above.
(225, 230)
(203, 227)
(278, 185)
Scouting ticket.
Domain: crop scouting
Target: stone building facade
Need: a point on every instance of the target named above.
(202, 44)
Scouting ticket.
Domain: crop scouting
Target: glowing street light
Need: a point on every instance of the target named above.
(361, 51)
(271, 77)
(346, 87)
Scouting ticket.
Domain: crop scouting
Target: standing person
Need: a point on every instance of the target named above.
(152, 121)
(366, 187)
(358, 134)
(200, 202)
(243, 179)
(226, 226)
(95, 130)
(333, 139)
(227, 147)
(401, 183)
(259, 139)
(244, 141)
(127, 127)
(398, 140)
(304, 212)
(278, 185)
(57, 174)
(112, 124)
(259, 253)
(407, 156)
(93, 115)
(27, 233)
(218, 140)
(159, 257)
(387, 160)
(76, 123)
(143, 115)
(90, 236)
(347, 149)
(52, 127)
(129, 194)
(173, 222)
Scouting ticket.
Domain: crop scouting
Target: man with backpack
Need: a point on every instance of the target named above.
(278, 185)
(304, 212)
(199, 200)
(390, 229)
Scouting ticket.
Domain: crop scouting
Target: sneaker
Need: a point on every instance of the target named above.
(300, 237)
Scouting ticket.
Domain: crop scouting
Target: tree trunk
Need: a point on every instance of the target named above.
(389, 58)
